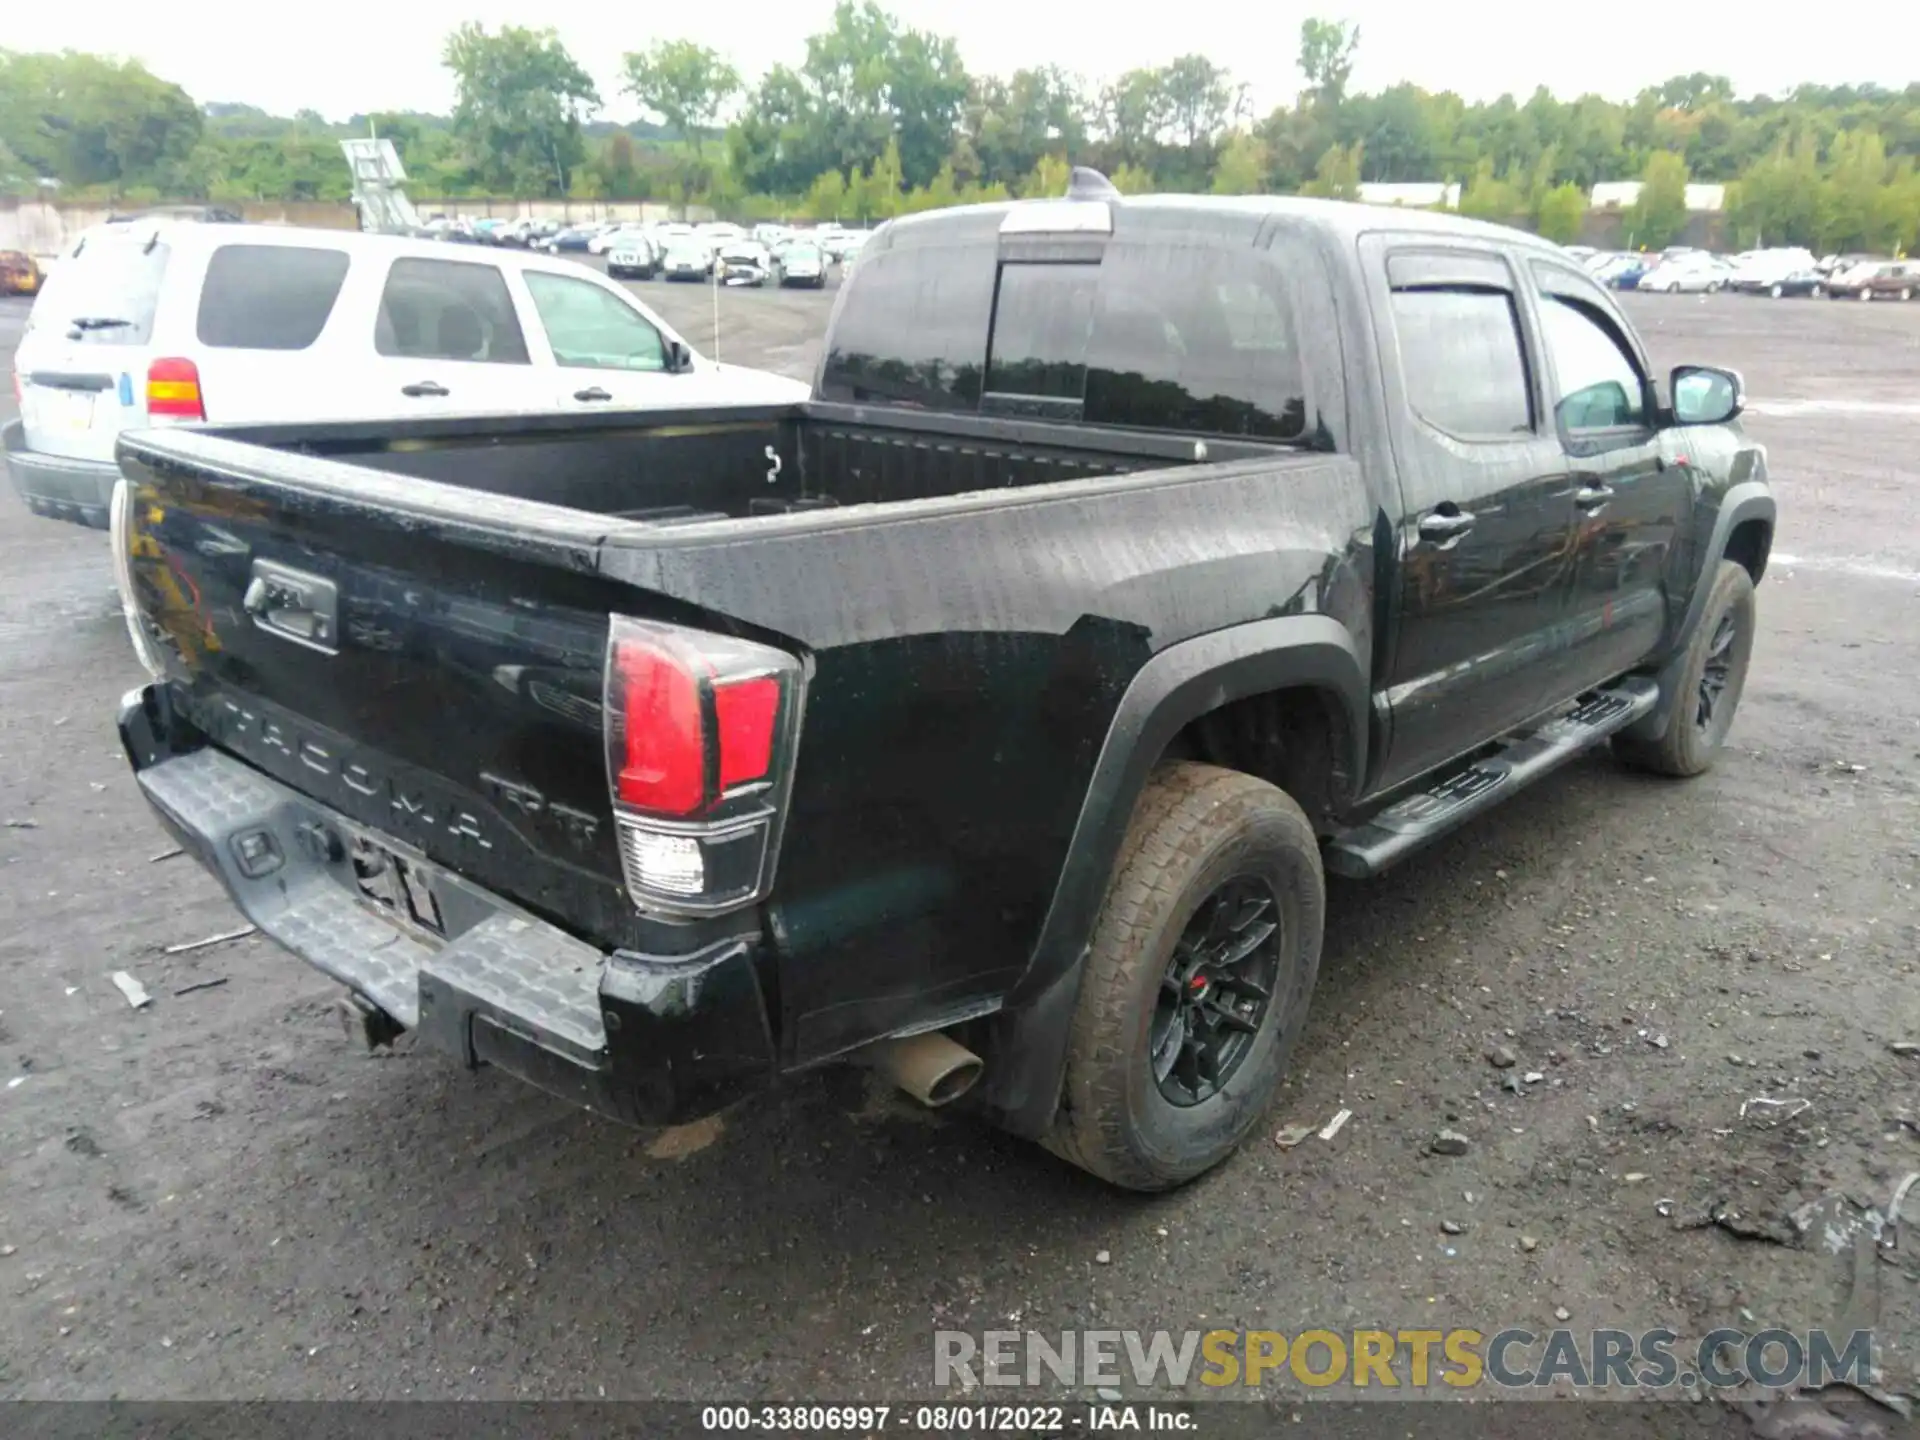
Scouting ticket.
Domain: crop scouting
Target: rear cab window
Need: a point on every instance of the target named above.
(1187, 337)
(268, 297)
(913, 330)
(104, 291)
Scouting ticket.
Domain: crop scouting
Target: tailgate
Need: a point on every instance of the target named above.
(428, 661)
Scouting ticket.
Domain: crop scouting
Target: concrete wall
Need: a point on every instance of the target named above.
(1607, 230)
(48, 229)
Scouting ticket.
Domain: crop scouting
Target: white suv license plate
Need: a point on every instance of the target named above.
(68, 410)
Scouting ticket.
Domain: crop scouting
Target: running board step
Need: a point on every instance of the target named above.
(1409, 823)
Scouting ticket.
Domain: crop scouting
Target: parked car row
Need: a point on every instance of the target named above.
(1777, 273)
(769, 255)
(643, 245)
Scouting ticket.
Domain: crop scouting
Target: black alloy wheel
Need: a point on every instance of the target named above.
(1717, 671)
(1216, 990)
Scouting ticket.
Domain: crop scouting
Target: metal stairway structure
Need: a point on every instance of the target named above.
(377, 178)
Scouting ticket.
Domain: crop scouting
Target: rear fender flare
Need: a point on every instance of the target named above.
(1175, 687)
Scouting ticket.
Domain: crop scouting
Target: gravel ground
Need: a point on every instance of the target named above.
(217, 1197)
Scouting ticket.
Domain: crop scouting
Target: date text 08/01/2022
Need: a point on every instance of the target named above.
(938, 1419)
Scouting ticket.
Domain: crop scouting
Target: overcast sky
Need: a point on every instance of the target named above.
(350, 56)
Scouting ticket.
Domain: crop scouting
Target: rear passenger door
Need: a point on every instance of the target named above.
(1487, 510)
(448, 340)
(1629, 493)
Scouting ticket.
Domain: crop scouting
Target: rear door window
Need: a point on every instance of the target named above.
(448, 310)
(269, 297)
(104, 292)
(1463, 364)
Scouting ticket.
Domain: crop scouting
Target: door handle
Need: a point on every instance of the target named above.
(592, 392)
(1593, 496)
(1445, 524)
(424, 387)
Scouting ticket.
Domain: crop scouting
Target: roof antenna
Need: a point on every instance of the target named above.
(1085, 183)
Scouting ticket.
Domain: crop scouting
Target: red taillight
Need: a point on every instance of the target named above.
(700, 730)
(173, 390)
(664, 765)
(746, 711)
(698, 716)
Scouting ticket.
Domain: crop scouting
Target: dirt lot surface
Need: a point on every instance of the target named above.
(217, 1196)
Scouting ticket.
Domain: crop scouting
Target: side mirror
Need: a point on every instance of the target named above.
(679, 358)
(1703, 395)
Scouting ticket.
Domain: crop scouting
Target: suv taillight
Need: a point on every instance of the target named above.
(173, 390)
(701, 731)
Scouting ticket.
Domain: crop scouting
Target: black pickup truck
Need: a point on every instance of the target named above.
(993, 717)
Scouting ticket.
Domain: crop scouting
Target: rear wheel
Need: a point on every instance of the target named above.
(1865, 294)
(1776, 292)
(1708, 691)
(1907, 294)
(1197, 980)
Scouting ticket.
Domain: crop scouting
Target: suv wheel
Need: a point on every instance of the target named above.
(1777, 291)
(1907, 293)
(1197, 979)
(1710, 683)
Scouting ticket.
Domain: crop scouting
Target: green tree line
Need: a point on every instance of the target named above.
(878, 117)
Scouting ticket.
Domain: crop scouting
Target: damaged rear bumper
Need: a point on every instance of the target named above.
(645, 1040)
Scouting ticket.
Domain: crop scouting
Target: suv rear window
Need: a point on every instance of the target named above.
(104, 292)
(269, 297)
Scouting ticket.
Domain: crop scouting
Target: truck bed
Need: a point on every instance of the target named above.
(964, 650)
(699, 466)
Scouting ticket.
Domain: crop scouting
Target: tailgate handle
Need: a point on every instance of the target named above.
(1445, 525)
(424, 387)
(294, 605)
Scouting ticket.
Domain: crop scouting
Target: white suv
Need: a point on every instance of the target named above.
(167, 322)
